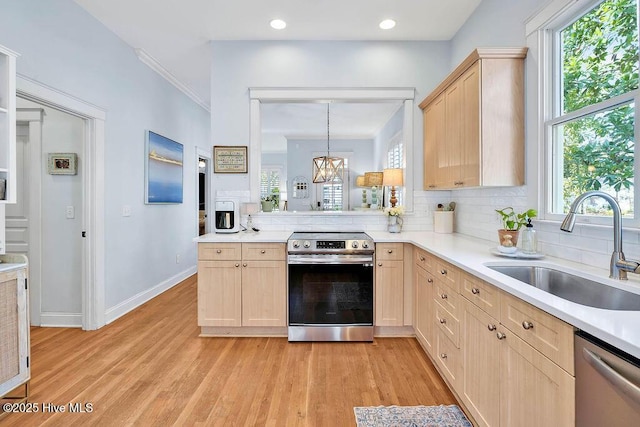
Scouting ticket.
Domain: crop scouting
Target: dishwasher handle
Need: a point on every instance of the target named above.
(613, 376)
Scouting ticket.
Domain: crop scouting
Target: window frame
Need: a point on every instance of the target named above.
(551, 99)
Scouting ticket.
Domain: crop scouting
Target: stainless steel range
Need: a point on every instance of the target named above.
(330, 286)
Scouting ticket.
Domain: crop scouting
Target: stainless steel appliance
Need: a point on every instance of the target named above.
(227, 216)
(607, 384)
(330, 286)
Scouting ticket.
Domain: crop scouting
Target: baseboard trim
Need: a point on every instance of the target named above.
(253, 331)
(61, 320)
(136, 301)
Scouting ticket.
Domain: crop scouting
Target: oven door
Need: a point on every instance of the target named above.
(330, 290)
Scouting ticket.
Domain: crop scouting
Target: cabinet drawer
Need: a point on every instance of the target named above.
(423, 259)
(219, 251)
(448, 359)
(447, 273)
(449, 299)
(263, 251)
(482, 294)
(547, 334)
(389, 251)
(447, 323)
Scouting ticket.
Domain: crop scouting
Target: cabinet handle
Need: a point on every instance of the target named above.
(390, 251)
(443, 321)
(219, 251)
(475, 291)
(237, 264)
(527, 325)
(500, 336)
(430, 280)
(443, 355)
(458, 183)
(244, 264)
(443, 272)
(421, 258)
(491, 327)
(379, 264)
(432, 186)
(444, 296)
(262, 251)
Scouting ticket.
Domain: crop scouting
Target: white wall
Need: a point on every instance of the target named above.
(63, 47)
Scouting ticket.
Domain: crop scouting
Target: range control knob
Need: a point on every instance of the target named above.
(365, 244)
(296, 244)
(354, 244)
(306, 244)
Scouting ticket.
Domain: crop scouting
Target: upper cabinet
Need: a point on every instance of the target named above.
(474, 123)
(7, 125)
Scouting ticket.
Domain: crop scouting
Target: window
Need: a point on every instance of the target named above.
(591, 130)
(270, 183)
(333, 193)
(395, 159)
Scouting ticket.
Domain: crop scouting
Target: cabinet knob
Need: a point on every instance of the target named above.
(244, 264)
(390, 251)
(219, 251)
(430, 280)
(237, 264)
(443, 355)
(475, 291)
(500, 336)
(422, 258)
(491, 327)
(379, 264)
(443, 321)
(444, 296)
(527, 325)
(263, 251)
(443, 272)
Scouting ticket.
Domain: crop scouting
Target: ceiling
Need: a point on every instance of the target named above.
(177, 33)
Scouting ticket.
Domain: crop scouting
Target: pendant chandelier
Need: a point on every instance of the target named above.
(327, 168)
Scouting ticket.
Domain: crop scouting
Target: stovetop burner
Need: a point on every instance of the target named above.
(330, 243)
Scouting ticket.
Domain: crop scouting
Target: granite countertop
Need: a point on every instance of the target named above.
(619, 328)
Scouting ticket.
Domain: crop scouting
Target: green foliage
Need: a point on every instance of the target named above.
(600, 61)
(514, 221)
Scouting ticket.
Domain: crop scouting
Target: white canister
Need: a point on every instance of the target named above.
(443, 221)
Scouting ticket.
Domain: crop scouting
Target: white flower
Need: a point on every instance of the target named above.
(395, 211)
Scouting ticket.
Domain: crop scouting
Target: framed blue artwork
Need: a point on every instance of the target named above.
(163, 170)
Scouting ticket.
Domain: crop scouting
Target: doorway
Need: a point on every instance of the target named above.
(203, 159)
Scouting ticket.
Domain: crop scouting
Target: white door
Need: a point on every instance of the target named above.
(17, 215)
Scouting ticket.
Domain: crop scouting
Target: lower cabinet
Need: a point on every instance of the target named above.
(242, 284)
(424, 325)
(389, 279)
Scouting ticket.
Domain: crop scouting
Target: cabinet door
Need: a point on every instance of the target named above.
(389, 293)
(469, 83)
(264, 293)
(14, 329)
(481, 361)
(424, 308)
(453, 130)
(435, 148)
(219, 293)
(534, 391)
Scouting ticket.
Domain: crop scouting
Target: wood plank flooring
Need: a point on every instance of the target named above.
(151, 368)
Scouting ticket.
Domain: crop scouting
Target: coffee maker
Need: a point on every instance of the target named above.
(227, 216)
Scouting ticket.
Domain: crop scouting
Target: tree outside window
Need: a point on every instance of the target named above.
(593, 128)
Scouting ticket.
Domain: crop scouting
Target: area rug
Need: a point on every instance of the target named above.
(411, 416)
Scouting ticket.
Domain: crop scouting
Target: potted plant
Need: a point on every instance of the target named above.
(511, 224)
(394, 224)
(267, 203)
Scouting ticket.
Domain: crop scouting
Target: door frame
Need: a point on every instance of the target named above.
(93, 258)
(205, 154)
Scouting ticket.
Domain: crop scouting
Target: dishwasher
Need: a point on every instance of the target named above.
(607, 384)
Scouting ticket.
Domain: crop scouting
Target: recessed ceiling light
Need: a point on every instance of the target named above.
(387, 24)
(278, 24)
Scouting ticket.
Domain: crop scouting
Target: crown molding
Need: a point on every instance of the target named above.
(153, 63)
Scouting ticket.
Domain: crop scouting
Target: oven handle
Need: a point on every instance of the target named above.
(366, 261)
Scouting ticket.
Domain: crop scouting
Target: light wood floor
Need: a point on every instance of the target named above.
(151, 368)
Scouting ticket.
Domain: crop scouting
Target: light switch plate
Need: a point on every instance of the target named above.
(126, 210)
(70, 212)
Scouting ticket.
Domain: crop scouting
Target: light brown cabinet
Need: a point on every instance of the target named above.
(474, 123)
(389, 279)
(424, 283)
(241, 284)
(14, 329)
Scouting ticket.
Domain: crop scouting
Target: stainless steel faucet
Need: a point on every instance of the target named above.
(619, 265)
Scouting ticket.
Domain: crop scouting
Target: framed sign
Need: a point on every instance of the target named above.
(229, 159)
(63, 164)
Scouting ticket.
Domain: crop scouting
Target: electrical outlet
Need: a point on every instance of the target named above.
(177, 258)
(70, 212)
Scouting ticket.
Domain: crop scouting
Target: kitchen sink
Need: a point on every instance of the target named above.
(571, 287)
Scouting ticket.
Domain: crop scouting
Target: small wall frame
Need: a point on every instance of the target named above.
(63, 164)
(229, 159)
